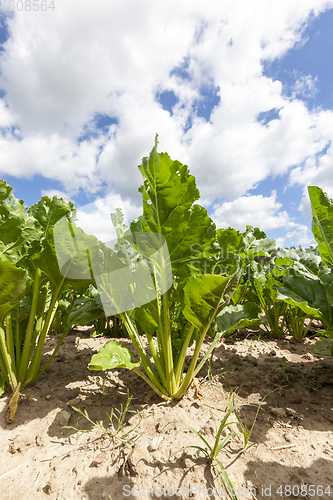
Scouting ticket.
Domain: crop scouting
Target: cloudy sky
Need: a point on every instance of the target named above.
(241, 92)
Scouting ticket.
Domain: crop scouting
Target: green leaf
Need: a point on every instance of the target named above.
(230, 240)
(113, 355)
(252, 243)
(5, 190)
(307, 262)
(48, 211)
(283, 261)
(19, 233)
(257, 244)
(204, 295)
(323, 347)
(13, 283)
(64, 258)
(85, 311)
(240, 316)
(124, 285)
(309, 295)
(147, 316)
(117, 219)
(169, 193)
(322, 223)
(293, 299)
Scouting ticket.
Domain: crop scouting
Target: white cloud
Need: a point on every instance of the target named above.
(54, 157)
(301, 235)
(306, 86)
(263, 212)
(256, 210)
(316, 171)
(94, 218)
(55, 192)
(6, 119)
(61, 67)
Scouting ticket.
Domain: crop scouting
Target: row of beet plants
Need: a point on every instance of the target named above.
(38, 292)
(295, 287)
(203, 282)
(32, 288)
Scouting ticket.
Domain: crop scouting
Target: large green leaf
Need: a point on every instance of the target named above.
(169, 193)
(205, 295)
(240, 316)
(13, 283)
(256, 243)
(48, 211)
(306, 262)
(230, 241)
(323, 347)
(113, 355)
(322, 223)
(148, 317)
(64, 258)
(251, 243)
(124, 282)
(19, 232)
(309, 295)
(85, 310)
(5, 190)
(294, 300)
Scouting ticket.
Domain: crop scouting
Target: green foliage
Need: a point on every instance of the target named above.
(263, 291)
(232, 317)
(324, 347)
(185, 308)
(113, 355)
(322, 223)
(32, 287)
(322, 228)
(175, 279)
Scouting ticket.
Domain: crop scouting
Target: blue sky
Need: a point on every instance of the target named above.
(241, 92)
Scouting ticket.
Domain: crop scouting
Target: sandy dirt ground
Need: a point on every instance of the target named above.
(292, 437)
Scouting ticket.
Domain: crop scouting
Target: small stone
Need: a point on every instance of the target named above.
(47, 489)
(62, 417)
(48, 396)
(77, 400)
(291, 412)
(278, 412)
(188, 463)
(99, 459)
(155, 443)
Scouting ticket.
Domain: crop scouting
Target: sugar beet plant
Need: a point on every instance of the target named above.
(32, 286)
(312, 291)
(184, 308)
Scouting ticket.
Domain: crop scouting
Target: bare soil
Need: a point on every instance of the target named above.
(293, 432)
